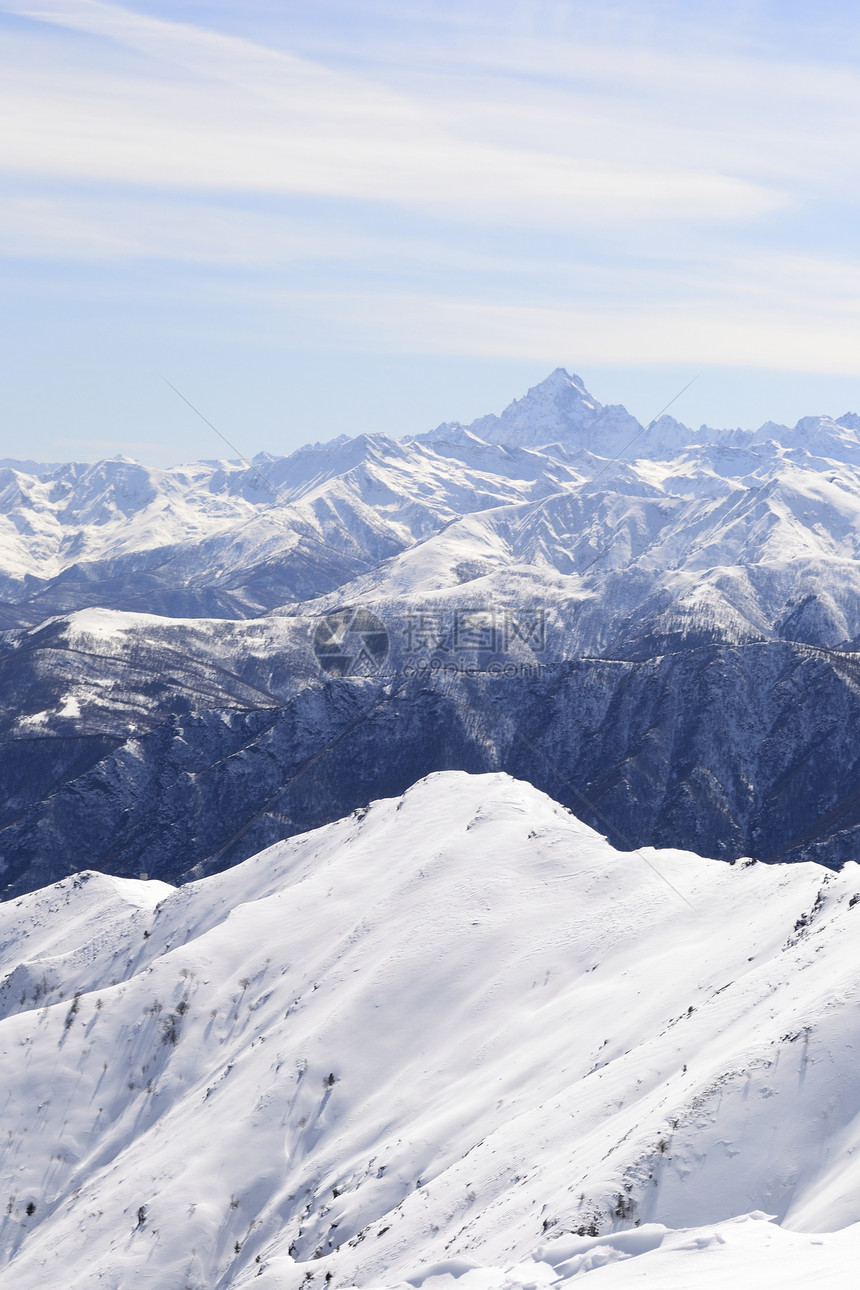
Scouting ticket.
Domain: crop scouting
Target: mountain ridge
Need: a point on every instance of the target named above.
(260, 1079)
(649, 575)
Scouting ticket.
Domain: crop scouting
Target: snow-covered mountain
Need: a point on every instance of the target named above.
(741, 533)
(669, 637)
(132, 743)
(454, 1040)
(236, 538)
(560, 410)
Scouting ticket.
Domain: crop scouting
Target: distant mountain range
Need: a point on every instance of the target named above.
(657, 626)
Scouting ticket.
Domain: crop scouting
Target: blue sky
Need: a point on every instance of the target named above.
(324, 218)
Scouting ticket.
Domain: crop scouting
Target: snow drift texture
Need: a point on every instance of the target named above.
(453, 1040)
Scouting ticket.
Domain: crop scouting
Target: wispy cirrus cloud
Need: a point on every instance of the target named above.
(711, 332)
(568, 181)
(215, 112)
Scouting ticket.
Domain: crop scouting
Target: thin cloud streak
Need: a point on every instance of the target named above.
(220, 113)
(93, 229)
(678, 333)
(482, 190)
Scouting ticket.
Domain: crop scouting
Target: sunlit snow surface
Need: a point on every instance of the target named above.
(428, 1045)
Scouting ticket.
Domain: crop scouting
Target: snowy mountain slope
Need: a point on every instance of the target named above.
(748, 1251)
(227, 540)
(696, 682)
(132, 743)
(120, 534)
(561, 412)
(736, 552)
(455, 1026)
(558, 410)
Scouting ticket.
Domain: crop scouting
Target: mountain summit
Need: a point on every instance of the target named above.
(560, 410)
(458, 1026)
